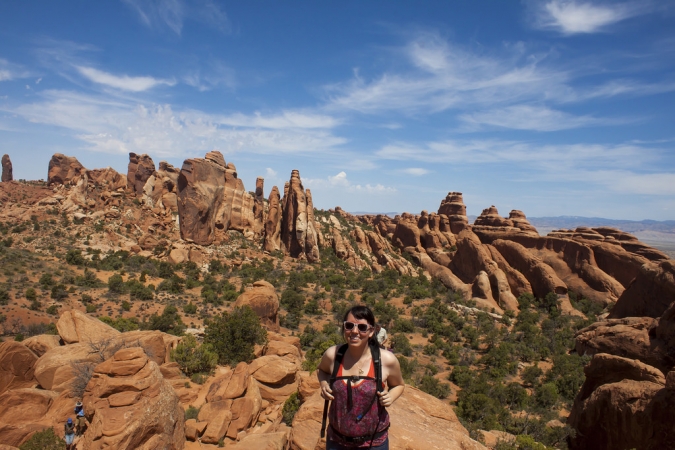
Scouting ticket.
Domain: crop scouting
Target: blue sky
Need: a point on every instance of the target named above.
(552, 107)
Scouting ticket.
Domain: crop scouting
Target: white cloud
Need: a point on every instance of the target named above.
(125, 83)
(38, 80)
(416, 171)
(445, 76)
(528, 117)
(571, 17)
(556, 157)
(173, 13)
(284, 120)
(340, 181)
(10, 71)
(627, 182)
(120, 126)
(270, 173)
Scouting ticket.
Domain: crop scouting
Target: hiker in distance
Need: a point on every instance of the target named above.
(361, 380)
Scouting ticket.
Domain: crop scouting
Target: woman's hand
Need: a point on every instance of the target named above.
(385, 399)
(326, 392)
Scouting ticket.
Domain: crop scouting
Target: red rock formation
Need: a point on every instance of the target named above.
(650, 293)
(490, 217)
(520, 221)
(259, 206)
(622, 404)
(211, 196)
(273, 222)
(407, 234)
(160, 190)
(453, 207)
(107, 178)
(64, 170)
(130, 405)
(7, 173)
(141, 167)
(263, 299)
(298, 232)
(17, 366)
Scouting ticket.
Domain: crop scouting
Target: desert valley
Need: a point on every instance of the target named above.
(186, 312)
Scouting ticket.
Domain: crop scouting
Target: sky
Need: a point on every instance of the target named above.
(551, 107)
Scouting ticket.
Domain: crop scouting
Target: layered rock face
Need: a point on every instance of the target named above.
(259, 206)
(453, 207)
(140, 169)
(210, 197)
(298, 231)
(64, 170)
(7, 172)
(130, 405)
(628, 398)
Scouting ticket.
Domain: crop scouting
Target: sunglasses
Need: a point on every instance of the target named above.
(362, 327)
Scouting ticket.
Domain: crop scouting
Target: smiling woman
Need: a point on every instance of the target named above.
(361, 380)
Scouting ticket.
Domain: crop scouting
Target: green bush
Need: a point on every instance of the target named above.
(291, 406)
(191, 413)
(59, 292)
(432, 386)
(169, 322)
(190, 308)
(401, 344)
(31, 295)
(234, 335)
(121, 323)
(44, 440)
(52, 310)
(116, 284)
(192, 358)
(4, 297)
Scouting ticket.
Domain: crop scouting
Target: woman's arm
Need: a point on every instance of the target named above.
(324, 372)
(394, 380)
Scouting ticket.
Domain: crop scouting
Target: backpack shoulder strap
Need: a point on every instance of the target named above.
(339, 356)
(377, 363)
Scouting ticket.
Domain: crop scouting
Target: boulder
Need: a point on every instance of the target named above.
(7, 172)
(64, 170)
(75, 326)
(520, 221)
(218, 415)
(54, 370)
(42, 343)
(263, 299)
(24, 411)
(130, 405)
(276, 377)
(17, 366)
(264, 441)
(622, 404)
(230, 385)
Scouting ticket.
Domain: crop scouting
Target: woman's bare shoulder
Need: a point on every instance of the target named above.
(388, 358)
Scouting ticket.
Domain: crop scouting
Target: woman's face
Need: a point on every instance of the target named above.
(354, 336)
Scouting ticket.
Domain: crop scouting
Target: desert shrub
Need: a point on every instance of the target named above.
(44, 440)
(546, 395)
(4, 297)
(190, 308)
(116, 284)
(169, 322)
(121, 323)
(74, 257)
(193, 358)
(291, 406)
(88, 279)
(401, 344)
(432, 386)
(31, 295)
(82, 373)
(191, 413)
(531, 375)
(292, 300)
(173, 285)
(233, 335)
(138, 290)
(53, 310)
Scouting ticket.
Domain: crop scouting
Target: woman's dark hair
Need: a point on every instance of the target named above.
(361, 312)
